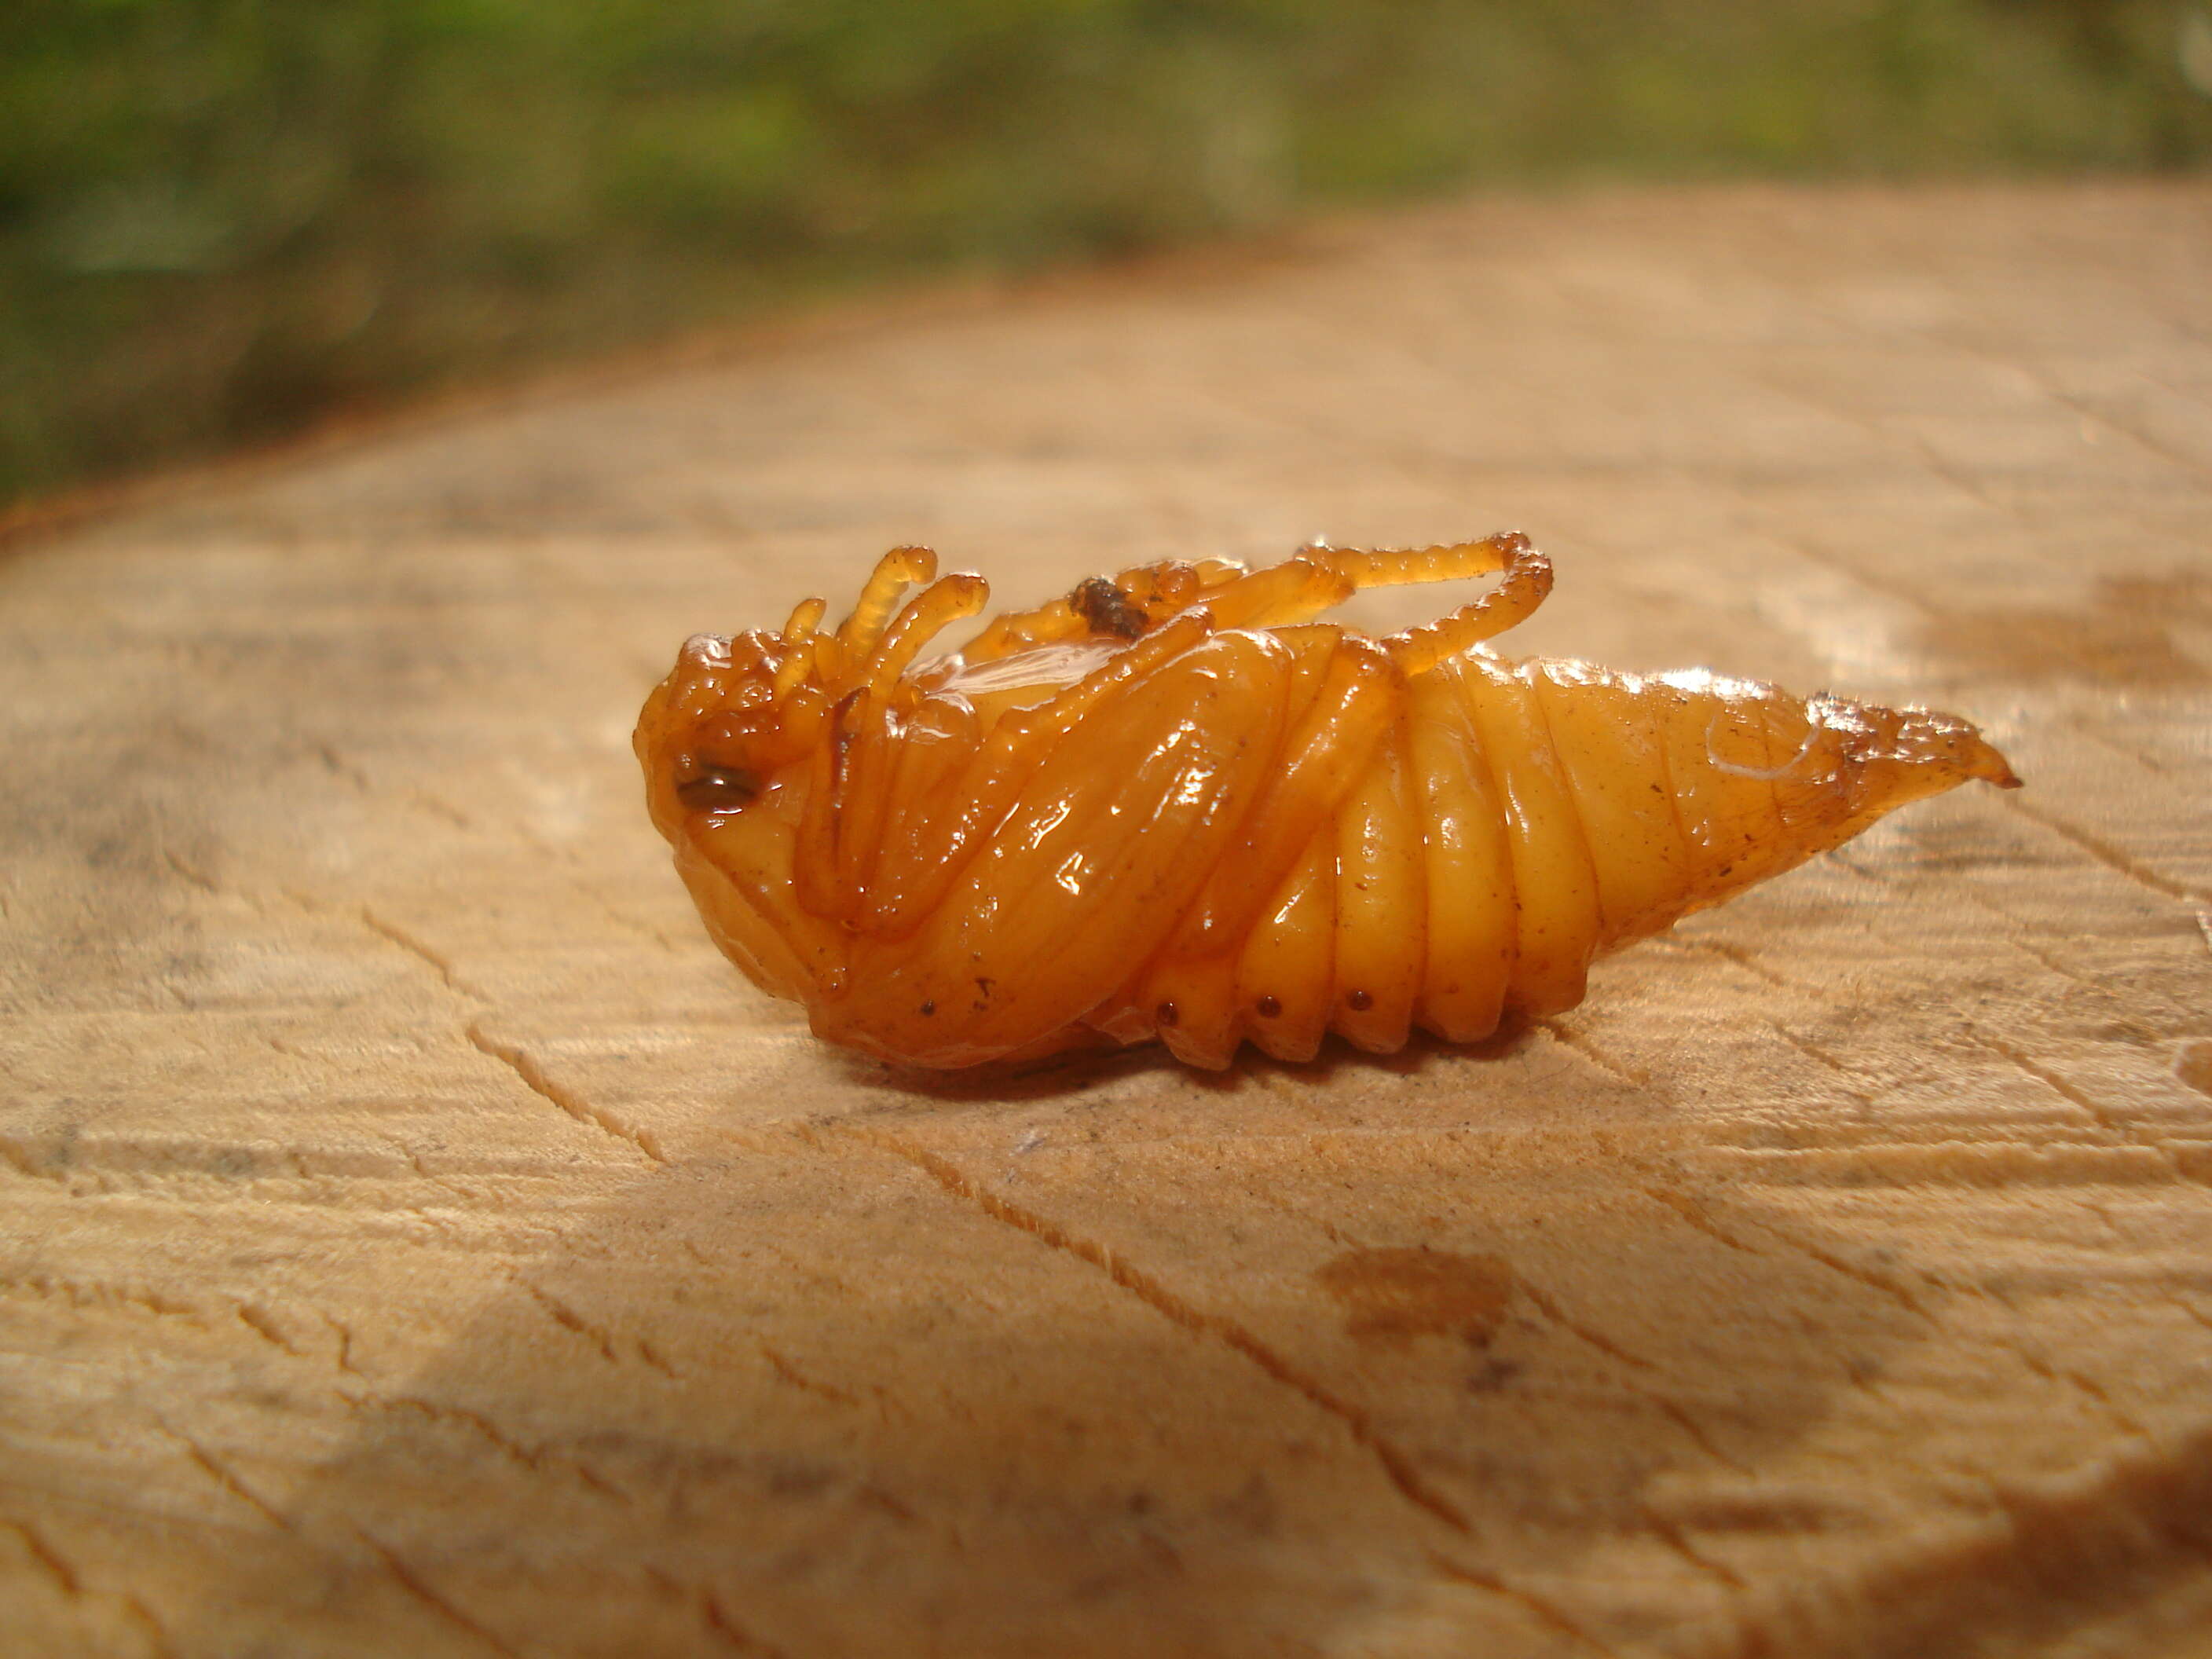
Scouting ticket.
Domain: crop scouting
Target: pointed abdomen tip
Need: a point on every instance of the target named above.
(1991, 767)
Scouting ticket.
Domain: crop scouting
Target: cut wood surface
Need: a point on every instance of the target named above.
(414, 1238)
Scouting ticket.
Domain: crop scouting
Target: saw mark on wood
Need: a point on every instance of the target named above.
(227, 1477)
(535, 1459)
(525, 1066)
(1588, 1333)
(1958, 477)
(192, 874)
(1701, 1218)
(2102, 415)
(155, 1633)
(2129, 995)
(2190, 1308)
(569, 1320)
(814, 1272)
(265, 1327)
(1955, 1165)
(1696, 1214)
(306, 1056)
(416, 1162)
(726, 1631)
(529, 1458)
(628, 923)
(1851, 1270)
(1679, 1414)
(2050, 959)
(2119, 745)
(2141, 1521)
(2102, 1116)
(797, 1379)
(1673, 1410)
(418, 1587)
(342, 1357)
(338, 766)
(729, 1631)
(1746, 960)
(2124, 1421)
(1396, 1465)
(1634, 1077)
(1676, 1539)
(438, 807)
(566, 1317)
(47, 1557)
(1873, 581)
(66, 1579)
(1813, 1051)
(1545, 1613)
(80, 1295)
(407, 942)
(2104, 853)
(2050, 1080)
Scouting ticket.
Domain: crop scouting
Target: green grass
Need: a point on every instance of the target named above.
(218, 217)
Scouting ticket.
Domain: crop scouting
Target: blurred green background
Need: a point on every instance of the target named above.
(219, 218)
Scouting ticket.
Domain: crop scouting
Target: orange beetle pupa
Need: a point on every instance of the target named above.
(1171, 804)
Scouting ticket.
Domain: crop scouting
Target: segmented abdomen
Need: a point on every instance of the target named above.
(1516, 821)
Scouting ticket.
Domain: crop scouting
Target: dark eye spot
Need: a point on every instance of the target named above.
(1360, 1000)
(1166, 1014)
(1269, 1007)
(718, 789)
(927, 1009)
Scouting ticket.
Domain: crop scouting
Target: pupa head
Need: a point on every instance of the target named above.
(747, 730)
(741, 716)
(717, 730)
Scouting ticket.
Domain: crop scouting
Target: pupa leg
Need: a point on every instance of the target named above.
(841, 831)
(858, 634)
(1528, 580)
(1317, 577)
(929, 613)
(1300, 588)
(995, 772)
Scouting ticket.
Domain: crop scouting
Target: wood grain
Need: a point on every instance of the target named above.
(414, 1238)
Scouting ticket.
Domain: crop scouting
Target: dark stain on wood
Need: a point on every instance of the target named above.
(1394, 1294)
